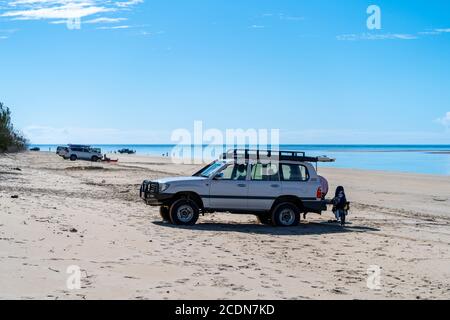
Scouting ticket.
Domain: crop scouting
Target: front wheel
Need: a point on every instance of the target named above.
(286, 215)
(95, 159)
(184, 213)
(73, 158)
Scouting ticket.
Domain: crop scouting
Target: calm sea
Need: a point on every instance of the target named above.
(427, 159)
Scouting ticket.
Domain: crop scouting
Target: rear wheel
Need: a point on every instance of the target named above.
(184, 213)
(264, 218)
(164, 213)
(73, 157)
(286, 215)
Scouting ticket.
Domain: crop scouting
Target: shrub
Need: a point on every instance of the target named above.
(10, 139)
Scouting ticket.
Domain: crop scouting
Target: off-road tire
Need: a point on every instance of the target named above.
(73, 158)
(184, 212)
(286, 214)
(95, 159)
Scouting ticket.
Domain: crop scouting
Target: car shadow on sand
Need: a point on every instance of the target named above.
(308, 228)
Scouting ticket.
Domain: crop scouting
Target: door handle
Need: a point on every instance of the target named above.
(242, 185)
(275, 185)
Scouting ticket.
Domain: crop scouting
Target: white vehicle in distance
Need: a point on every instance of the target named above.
(62, 151)
(83, 152)
(275, 186)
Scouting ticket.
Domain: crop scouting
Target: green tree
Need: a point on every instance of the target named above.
(10, 139)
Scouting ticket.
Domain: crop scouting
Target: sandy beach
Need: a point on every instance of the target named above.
(90, 215)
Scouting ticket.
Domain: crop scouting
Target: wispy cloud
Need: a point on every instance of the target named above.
(435, 32)
(149, 33)
(428, 33)
(58, 22)
(105, 20)
(129, 3)
(57, 10)
(447, 30)
(282, 16)
(114, 27)
(5, 33)
(391, 36)
(373, 36)
(55, 135)
(445, 120)
(287, 17)
(270, 18)
(352, 136)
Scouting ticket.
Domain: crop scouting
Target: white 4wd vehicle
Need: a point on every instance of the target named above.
(81, 152)
(275, 189)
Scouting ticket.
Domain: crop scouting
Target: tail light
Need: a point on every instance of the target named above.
(319, 193)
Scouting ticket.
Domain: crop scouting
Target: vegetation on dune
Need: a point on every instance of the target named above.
(10, 139)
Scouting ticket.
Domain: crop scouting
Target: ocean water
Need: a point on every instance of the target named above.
(425, 159)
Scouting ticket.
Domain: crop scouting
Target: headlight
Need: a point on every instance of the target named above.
(163, 187)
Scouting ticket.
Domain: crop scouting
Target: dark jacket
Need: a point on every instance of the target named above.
(340, 200)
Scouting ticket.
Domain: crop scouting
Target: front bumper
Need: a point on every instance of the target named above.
(149, 192)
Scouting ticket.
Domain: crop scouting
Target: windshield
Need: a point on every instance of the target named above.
(209, 170)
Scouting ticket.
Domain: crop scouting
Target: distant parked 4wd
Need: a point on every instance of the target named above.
(81, 152)
(277, 187)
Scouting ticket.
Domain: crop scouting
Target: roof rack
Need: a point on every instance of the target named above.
(78, 146)
(257, 154)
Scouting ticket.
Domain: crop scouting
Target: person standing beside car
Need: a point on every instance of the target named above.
(339, 203)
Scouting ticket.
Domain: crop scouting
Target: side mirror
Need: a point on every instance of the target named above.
(219, 176)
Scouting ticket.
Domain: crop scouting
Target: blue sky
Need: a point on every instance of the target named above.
(138, 69)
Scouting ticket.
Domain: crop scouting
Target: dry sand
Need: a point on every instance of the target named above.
(400, 222)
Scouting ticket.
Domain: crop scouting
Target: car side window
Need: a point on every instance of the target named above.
(294, 172)
(236, 172)
(265, 172)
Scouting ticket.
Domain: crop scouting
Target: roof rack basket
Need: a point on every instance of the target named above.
(247, 154)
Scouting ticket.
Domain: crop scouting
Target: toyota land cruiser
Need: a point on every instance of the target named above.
(81, 152)
(275, 186)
